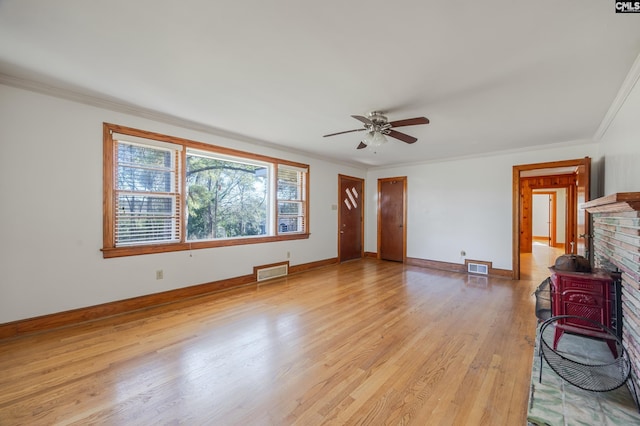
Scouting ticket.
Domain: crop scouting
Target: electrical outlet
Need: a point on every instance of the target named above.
(463, 253)
(159, 274)
(288, 255)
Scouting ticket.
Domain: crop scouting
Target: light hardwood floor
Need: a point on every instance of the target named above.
(365, 342)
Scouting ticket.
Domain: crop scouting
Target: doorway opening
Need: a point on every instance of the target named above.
(550, 216)
(549, 224)
(572, 176)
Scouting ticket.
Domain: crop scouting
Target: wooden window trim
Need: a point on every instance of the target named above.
(109, 250)
(304, 200)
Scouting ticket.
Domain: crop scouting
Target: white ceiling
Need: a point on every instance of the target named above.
(491, 75)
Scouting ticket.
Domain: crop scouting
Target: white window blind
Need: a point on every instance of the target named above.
(291, 199)
(147, 192)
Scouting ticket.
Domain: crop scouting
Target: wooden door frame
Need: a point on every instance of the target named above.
(571, 203)
(340, 177)
(404, 215)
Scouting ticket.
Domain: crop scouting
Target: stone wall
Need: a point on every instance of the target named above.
(616, 246)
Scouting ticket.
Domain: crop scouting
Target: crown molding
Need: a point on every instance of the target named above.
(488, 154)
(627, 86)
(74, 94)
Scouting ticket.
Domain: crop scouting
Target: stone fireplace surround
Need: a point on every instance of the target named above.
(616, 247)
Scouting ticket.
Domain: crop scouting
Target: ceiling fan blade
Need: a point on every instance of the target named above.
(347, 131)
(362, 145)
(402, 136)
(365, 120)
(410, 122)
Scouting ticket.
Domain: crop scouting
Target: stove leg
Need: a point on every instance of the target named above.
(556, 337)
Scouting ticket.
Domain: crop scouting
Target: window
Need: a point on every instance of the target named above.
(226, 198)
(163, 193)
(291, 203)
(147, 194)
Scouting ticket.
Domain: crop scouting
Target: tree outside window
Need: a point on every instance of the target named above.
(225, 199)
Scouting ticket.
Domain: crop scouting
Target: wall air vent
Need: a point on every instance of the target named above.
(271, 272)
(477, 268)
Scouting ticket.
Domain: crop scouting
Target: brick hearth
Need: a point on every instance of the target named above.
(616, 246)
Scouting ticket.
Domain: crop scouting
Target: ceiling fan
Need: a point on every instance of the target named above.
(377, 127)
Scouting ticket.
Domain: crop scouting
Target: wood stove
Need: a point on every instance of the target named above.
(584, 295)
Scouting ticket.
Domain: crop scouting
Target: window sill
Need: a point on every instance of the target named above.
(109, 252)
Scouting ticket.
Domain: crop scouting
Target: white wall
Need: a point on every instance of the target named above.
(462, 204)
(620, 146)
(541, 216)
(540, 220)
(51, 220)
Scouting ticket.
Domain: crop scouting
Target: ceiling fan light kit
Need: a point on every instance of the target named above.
(378, 127)
(374, 138)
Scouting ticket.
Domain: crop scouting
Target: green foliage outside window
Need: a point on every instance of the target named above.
(225, 199)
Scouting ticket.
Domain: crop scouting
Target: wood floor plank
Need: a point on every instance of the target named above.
(364, 342)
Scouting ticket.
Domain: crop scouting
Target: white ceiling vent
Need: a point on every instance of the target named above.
(272, 272)
(477, 268)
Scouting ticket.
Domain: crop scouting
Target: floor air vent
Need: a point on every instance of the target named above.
(271, 272)
(477, 268)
